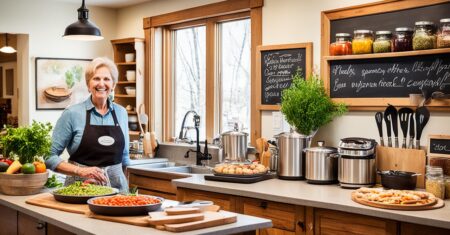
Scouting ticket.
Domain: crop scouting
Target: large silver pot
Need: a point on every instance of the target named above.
(291, 157)
(234, 146)
(321, 165)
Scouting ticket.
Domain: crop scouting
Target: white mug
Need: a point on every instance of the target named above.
(131, 75)
(129, 57)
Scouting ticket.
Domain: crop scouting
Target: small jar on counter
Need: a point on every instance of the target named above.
(424, 37)
(342, 45)
(402, 39)
(447, 187)
(435, 182)
(362, 41)
(382, 42)
(443, 36)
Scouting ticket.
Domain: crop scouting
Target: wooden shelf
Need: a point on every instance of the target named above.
(126, 82)
(125, 63)
(136, 133)
(124, 96)
(389, 54)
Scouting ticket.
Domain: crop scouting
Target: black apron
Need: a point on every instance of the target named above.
(100, 145)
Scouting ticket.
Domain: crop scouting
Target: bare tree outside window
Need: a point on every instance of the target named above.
(190, 82)
(235, 74)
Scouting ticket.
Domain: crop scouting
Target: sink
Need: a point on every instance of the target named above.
(187, 169)
(157, 165)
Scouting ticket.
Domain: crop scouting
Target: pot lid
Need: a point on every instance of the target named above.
(290, 135)
(357, 143)
(234, 133)
(321, 149)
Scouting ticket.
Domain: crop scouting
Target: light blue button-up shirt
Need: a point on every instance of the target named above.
(69, 129)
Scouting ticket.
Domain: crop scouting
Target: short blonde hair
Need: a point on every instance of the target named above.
(101, 62)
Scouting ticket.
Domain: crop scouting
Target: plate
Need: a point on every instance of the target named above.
(72, 199)
(239, 175)
(124, 210)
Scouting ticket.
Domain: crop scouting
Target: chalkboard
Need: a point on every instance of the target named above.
(439, 144)
(277, 66)
(389, 77)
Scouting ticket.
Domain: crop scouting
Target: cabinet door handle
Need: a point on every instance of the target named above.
(310, 226)
(263, 205)
(40, 226)
(301, 225)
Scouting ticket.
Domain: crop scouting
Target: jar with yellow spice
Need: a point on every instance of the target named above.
(435, 182)
(362, 41)
(382, 42)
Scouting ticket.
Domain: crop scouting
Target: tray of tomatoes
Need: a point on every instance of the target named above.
(125, 205)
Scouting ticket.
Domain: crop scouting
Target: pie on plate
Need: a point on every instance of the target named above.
(393, 199)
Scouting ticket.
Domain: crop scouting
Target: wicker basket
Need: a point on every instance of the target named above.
(22, 184)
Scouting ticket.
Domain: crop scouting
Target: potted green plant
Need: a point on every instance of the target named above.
(27, 146)
(306, 105)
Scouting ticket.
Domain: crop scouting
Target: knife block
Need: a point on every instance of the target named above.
(413, 160)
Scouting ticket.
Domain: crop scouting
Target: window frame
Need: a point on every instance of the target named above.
(208, 15)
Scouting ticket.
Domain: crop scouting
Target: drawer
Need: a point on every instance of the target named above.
(158, 194)
(283, 215)
(226, 202)
(153, 184)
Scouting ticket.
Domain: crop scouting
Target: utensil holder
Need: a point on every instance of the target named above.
(413, 160)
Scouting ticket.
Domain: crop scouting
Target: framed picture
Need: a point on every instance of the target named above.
(60, 82)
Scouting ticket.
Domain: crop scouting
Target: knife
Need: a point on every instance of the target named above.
(411, 132)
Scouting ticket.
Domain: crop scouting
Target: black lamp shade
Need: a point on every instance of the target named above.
(83, 29)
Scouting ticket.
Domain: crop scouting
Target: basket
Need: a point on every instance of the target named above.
(22, 184)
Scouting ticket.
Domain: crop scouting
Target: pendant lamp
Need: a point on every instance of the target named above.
(83, 29)
(6, 48)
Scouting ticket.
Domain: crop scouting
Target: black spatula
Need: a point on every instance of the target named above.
(379, 120)
(422, 117)
(404, 114)
(390, 117)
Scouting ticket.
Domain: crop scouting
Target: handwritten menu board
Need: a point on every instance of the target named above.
(389, 77)
(277, 66)
(439, 145)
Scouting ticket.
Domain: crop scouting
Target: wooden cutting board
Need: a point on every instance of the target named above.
(161, 218)
(47, 200)
(140, 220)
(211, 219)
(439, 203)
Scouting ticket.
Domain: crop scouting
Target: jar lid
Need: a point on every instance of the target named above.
(383, 32)
(419, 23)
(362, 31)
(446, 20)
(343, 35)
(403, 29)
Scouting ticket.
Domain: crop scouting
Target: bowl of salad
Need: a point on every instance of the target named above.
(80, 193)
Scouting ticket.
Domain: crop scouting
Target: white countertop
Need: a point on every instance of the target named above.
(321, 196)
(81, 224)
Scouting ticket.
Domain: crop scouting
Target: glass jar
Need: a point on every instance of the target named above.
(443, 36)
(424, 37)
(382, 42)
(342, 45)
(447, 187)
(402, 39)
(362, 41)
(435, 182)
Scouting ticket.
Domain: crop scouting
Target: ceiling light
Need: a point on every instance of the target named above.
(83, 29)
(6, 48)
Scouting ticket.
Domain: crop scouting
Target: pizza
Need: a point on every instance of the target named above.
(405, 198)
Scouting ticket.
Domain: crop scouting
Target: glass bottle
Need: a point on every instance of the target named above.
(424, 37)
(435, 182)
(342, 45)
(382, 42)
(447, 187)
(443, 37)
(362, 41)
(402, 39)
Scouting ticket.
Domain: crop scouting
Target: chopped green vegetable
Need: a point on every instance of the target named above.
(52, 182)
(81, 189)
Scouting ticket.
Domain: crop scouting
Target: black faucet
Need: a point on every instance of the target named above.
(198, 153)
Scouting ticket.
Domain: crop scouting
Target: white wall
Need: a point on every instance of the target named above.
(286, 21)
(44, 22)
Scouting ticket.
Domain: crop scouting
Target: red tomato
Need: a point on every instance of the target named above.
(8, 161)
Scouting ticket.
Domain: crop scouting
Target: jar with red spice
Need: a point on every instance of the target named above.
(342, 45)
(402, 40)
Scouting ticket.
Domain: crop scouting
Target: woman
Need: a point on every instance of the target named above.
(95, 132)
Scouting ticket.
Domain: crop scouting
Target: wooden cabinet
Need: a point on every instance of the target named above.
(8, 220)
(416, 229)
(336, 222)
(122, 47)
(28, 225)
(225, 201)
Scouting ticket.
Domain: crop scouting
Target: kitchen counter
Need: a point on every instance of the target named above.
(330, 197)
(81, 224)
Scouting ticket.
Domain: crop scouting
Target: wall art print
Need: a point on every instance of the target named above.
(60, 82)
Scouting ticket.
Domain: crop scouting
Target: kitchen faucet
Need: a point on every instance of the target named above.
(181, 136)
(198, 153)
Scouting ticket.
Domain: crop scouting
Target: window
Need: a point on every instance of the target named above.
(235, 74)
(204, 59)
(189, 78)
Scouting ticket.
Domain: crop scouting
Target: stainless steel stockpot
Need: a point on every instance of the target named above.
(321, 164)
(234, 146)
(291, 157)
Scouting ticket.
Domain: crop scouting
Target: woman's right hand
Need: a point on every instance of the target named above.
(93, 173)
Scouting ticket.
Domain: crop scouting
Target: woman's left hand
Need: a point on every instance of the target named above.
(93, 173)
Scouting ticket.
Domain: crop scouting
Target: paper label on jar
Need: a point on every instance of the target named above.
(106, 140)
